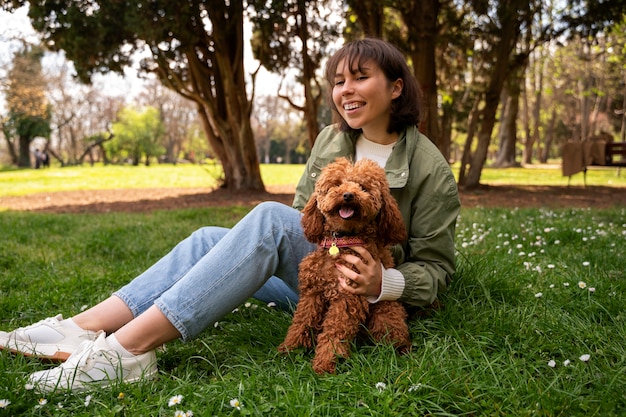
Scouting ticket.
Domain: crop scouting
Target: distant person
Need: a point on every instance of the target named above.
(45, 159)
(38, 158)
(376, 101)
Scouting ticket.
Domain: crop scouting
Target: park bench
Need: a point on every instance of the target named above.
(577, 156)
(615, 154)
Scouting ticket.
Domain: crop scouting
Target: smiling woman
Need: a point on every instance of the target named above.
(215, 269)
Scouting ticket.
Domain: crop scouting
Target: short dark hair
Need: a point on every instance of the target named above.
(405, 109)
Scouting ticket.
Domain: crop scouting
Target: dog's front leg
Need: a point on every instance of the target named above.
(306, 320)
(345, 315)
(387, 322)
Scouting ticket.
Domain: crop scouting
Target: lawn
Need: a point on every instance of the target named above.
(99, 177)
(533, 324)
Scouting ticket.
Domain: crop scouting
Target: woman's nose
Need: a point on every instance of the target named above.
(347, 88)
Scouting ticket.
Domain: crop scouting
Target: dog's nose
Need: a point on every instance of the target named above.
(347, 197)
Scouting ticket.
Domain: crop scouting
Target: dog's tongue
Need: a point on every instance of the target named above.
(346, 212)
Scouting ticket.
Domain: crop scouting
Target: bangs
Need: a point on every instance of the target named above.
(355, 56)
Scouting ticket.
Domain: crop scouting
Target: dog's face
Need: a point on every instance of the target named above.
(349, 197)
(353, 200)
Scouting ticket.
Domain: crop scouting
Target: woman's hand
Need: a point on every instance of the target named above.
(368, 280)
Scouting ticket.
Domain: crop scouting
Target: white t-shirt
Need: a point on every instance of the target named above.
(393, 283)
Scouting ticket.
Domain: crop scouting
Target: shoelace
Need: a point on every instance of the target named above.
(79, 358)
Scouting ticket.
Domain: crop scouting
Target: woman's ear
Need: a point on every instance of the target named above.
(396, 88)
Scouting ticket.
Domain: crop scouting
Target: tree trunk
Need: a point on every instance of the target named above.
(371, 16)
(217, 84)
(509, 34)
(536, 108)
(472, 122)
(583, 92)
(508, 127)
(623, 128)
(549, 137)
(312, 94)
(24, 152)
(215, 81)
(529, 140)
(11, 147)
(446, 132)
(484, 139)
(423, 16)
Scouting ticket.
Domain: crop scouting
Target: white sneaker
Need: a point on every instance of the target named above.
(47, 339)
(94, 365)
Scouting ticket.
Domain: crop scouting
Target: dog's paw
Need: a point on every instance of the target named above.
(283, 348)
(404, 347)
(323, 367)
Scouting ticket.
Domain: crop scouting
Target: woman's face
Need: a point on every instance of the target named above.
(363, 99)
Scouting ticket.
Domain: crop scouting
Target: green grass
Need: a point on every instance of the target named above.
(29, 181)
(99, 177)
(550, 175)
(514, 306)
(486, 353)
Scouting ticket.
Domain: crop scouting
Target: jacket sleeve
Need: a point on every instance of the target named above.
(427, 259)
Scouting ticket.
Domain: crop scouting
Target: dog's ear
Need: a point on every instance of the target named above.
(391, 228)
(312, 220)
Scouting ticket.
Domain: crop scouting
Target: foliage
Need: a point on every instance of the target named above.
(588, 18)
(295, 36)
(82, 116)
(184, 52)
(512, 339)
(292, 36)
(29, 112)
(138, 133)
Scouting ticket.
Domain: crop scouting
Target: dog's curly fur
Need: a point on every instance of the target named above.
(326, 311)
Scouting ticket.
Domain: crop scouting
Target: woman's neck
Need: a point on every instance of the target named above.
(382, 138)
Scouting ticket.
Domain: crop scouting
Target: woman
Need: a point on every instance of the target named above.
(214, 270)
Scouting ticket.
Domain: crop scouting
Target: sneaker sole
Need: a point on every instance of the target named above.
(93, 385)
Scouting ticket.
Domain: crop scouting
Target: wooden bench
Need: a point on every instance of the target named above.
(615, 154)
(577, 156)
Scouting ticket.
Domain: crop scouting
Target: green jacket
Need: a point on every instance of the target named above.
(424, 186)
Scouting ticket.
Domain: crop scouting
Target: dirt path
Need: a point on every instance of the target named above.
(145, 200)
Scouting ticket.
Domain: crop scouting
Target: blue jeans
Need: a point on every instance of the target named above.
(215, 270)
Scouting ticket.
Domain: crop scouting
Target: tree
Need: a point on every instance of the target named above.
(421, 18)
(178, 115)
(82, 116)
(501, 35)
(137, 134)
(28, 109)
(294, 36)
(617, 62)
(412, 26)
(281, 134)
(195, 48)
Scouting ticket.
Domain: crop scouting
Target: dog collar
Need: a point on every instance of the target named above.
(333, 244)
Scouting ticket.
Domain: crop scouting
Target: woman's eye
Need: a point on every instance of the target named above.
(339, 82)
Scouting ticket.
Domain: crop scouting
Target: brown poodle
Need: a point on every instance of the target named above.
(351, 206)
